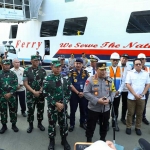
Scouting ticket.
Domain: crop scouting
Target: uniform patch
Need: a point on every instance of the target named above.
(96, 93)
(87, 82)
(95, 81)
(75, 80)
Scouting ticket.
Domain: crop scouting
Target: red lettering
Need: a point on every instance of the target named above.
(65, 45)
(23, 44)
(28, 44)
(104, 44)
(130, 45)
(39, 44)
(33, 44)
(18, 42)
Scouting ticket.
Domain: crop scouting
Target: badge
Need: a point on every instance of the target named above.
(95, 89)
(87, 82)
(96, 93)
(75, 80)
(95, 81)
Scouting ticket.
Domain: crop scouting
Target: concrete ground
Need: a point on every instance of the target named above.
(38, 140)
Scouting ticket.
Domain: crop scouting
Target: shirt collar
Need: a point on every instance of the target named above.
(136, 71)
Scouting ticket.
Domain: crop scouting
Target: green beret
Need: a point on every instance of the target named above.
(56, 63)
(35, 57)
(6, 62)
(101, 65)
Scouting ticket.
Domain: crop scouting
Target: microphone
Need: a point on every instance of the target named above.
(109, 79)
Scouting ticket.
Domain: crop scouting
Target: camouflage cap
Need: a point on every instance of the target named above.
(56, 63)
(35, 57)
(6, 62)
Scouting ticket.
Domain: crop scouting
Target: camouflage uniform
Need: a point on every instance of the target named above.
(35, 77)
(8, 84)
(54, 91)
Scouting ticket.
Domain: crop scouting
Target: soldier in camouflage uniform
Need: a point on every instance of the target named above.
(57, 92)
(8, 87)
(33, 80)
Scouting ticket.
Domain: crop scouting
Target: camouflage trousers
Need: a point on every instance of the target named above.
(11, 102)
(53, 115)
(31, 102)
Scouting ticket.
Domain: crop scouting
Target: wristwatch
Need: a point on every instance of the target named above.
(142, 95)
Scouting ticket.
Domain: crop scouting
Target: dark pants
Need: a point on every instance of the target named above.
(75, 99)
(91, 123)
(116, 103)
(144, 112)
(21, 96)
(124, 104)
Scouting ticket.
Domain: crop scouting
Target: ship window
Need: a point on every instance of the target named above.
(69, 0)
(49, 28)
(75, 26)
(18, 2)
(139, 22)
(9, 1)
(13, 31)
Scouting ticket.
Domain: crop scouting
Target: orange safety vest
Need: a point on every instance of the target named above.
(116, 76)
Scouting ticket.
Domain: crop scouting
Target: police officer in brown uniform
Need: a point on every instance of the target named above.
(99, 91)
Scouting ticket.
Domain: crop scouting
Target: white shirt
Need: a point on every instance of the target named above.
(19, 73)
(90, 70)
(137, 80)
(124, 70)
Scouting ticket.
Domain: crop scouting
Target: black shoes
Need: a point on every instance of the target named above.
(128, 131)
(65, 144)
(14, 127)
(71, 128)
(29, 130)
(145, 121)
(123, 121)
(41, 127)
(24, 114)
(51, 144)
(83, 125)
(3, 129)
(138, 131)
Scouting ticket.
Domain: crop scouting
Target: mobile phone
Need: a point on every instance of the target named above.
(104, 98)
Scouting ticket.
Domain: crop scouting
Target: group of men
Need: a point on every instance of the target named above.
(96, 88)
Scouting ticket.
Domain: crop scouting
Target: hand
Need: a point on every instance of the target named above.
(7, 96)
(137, 97)
(80, 94)
(111, 145)
(36, 93)
(59, 106)
(102, 101)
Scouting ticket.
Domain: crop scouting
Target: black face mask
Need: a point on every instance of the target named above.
(123, 65)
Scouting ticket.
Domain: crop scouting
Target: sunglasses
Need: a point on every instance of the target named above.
(142, 58)
(138, 64)
(115, 59)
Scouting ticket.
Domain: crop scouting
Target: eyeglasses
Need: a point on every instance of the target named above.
(138, 64)
(115, 59)
(142, 58)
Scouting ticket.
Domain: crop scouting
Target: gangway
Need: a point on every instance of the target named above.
(16, 11)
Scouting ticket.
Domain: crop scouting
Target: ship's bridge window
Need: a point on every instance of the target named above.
(75, 26)
(13, 31)
(69, 0)
(49, 28)
(139, 22)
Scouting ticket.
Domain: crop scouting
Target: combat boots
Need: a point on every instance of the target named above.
(65, 143)
(3, 129)
(40, 126)
(29, 130)
(51, 144)
(14, 127)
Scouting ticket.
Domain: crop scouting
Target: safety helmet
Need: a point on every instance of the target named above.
(141, 55)
(115, 56)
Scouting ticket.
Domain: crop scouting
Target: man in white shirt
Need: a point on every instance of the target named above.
(71, 61)
(21, 89)
(137, 82)
(85, 60)
(125, 67)
(92, 68)
(143, 59)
